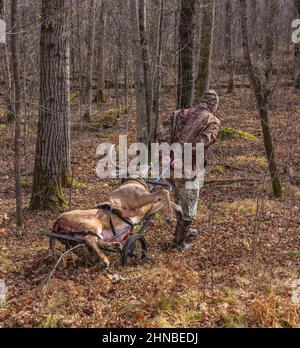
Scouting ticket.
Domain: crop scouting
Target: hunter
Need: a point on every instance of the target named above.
(199, 124)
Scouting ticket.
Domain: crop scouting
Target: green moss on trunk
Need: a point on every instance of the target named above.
(66, 178)
(47, 194)
(277, 187)
(100, 97)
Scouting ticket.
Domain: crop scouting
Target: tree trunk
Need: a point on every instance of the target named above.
(89, 58)
(176, 46)
(270, 152)
(297, 49)
(253, 24)
(229, 44)
(100, 94)
(4, 61)
(17, 113)
(207, 29)
(140, 86)
(145, 58)
(80, 63)
(117, 64)
(125, 87)
(262, 93)
(185, 87)
(52, 159)
(158, 69)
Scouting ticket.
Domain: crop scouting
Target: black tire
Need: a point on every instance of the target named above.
(130, 246)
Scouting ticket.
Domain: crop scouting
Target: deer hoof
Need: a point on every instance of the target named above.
(106, 264)
(117, 245)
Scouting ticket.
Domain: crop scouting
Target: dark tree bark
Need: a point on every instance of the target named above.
(253, 25)
(297, 48)
(262, 89)
(100, 94)
(229, 44)
(89, 60)
(186, 54)
(143, 134)
(17, 113)
(158, 70)
(52, 159)
(4, 61)
(145, 58)
(207, 29)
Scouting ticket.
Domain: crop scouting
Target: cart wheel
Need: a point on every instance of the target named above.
(134, 247)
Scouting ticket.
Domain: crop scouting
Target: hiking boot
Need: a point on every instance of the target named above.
(192, 232)
(181, 233)
(182, 245)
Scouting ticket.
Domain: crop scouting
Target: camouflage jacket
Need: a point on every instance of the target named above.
(194, 125)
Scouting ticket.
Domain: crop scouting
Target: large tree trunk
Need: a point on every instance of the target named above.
(158, 69)
(297, 48)
(140, 84)
(89, 58)
(262, 91)
(229, 44)
(185, 87)
(52, 159)
(207, 29)
(100, 94)
(17, 87)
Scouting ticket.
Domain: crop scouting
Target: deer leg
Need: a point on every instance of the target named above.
(91, 241)
(168, 207)
(114, 245)
(145, 199)
(177, 208)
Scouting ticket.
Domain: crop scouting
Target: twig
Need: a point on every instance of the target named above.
(226, 182)
(54, 268)
(285, 218)
(71, 192)
(211, 244)
(255, 236)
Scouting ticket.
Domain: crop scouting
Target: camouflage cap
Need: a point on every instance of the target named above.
(211, 98)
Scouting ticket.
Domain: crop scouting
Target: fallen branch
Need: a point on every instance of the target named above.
(295, 180)
(285, 218)
(226, 182)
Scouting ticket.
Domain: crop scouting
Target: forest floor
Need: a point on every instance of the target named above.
(244, 267)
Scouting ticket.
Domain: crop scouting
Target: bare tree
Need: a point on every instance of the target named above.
(253, 24)
(297, 48)
(17, 113)
(89, 59)
(186, 53)
(100, 94)
(52, 159)
(140, 76)
(5, 64)
(145, 58)
(261, 85)
(229, 36)
(158, 68)
(207, 29)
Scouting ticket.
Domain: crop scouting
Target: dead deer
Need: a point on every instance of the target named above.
(95, 226)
